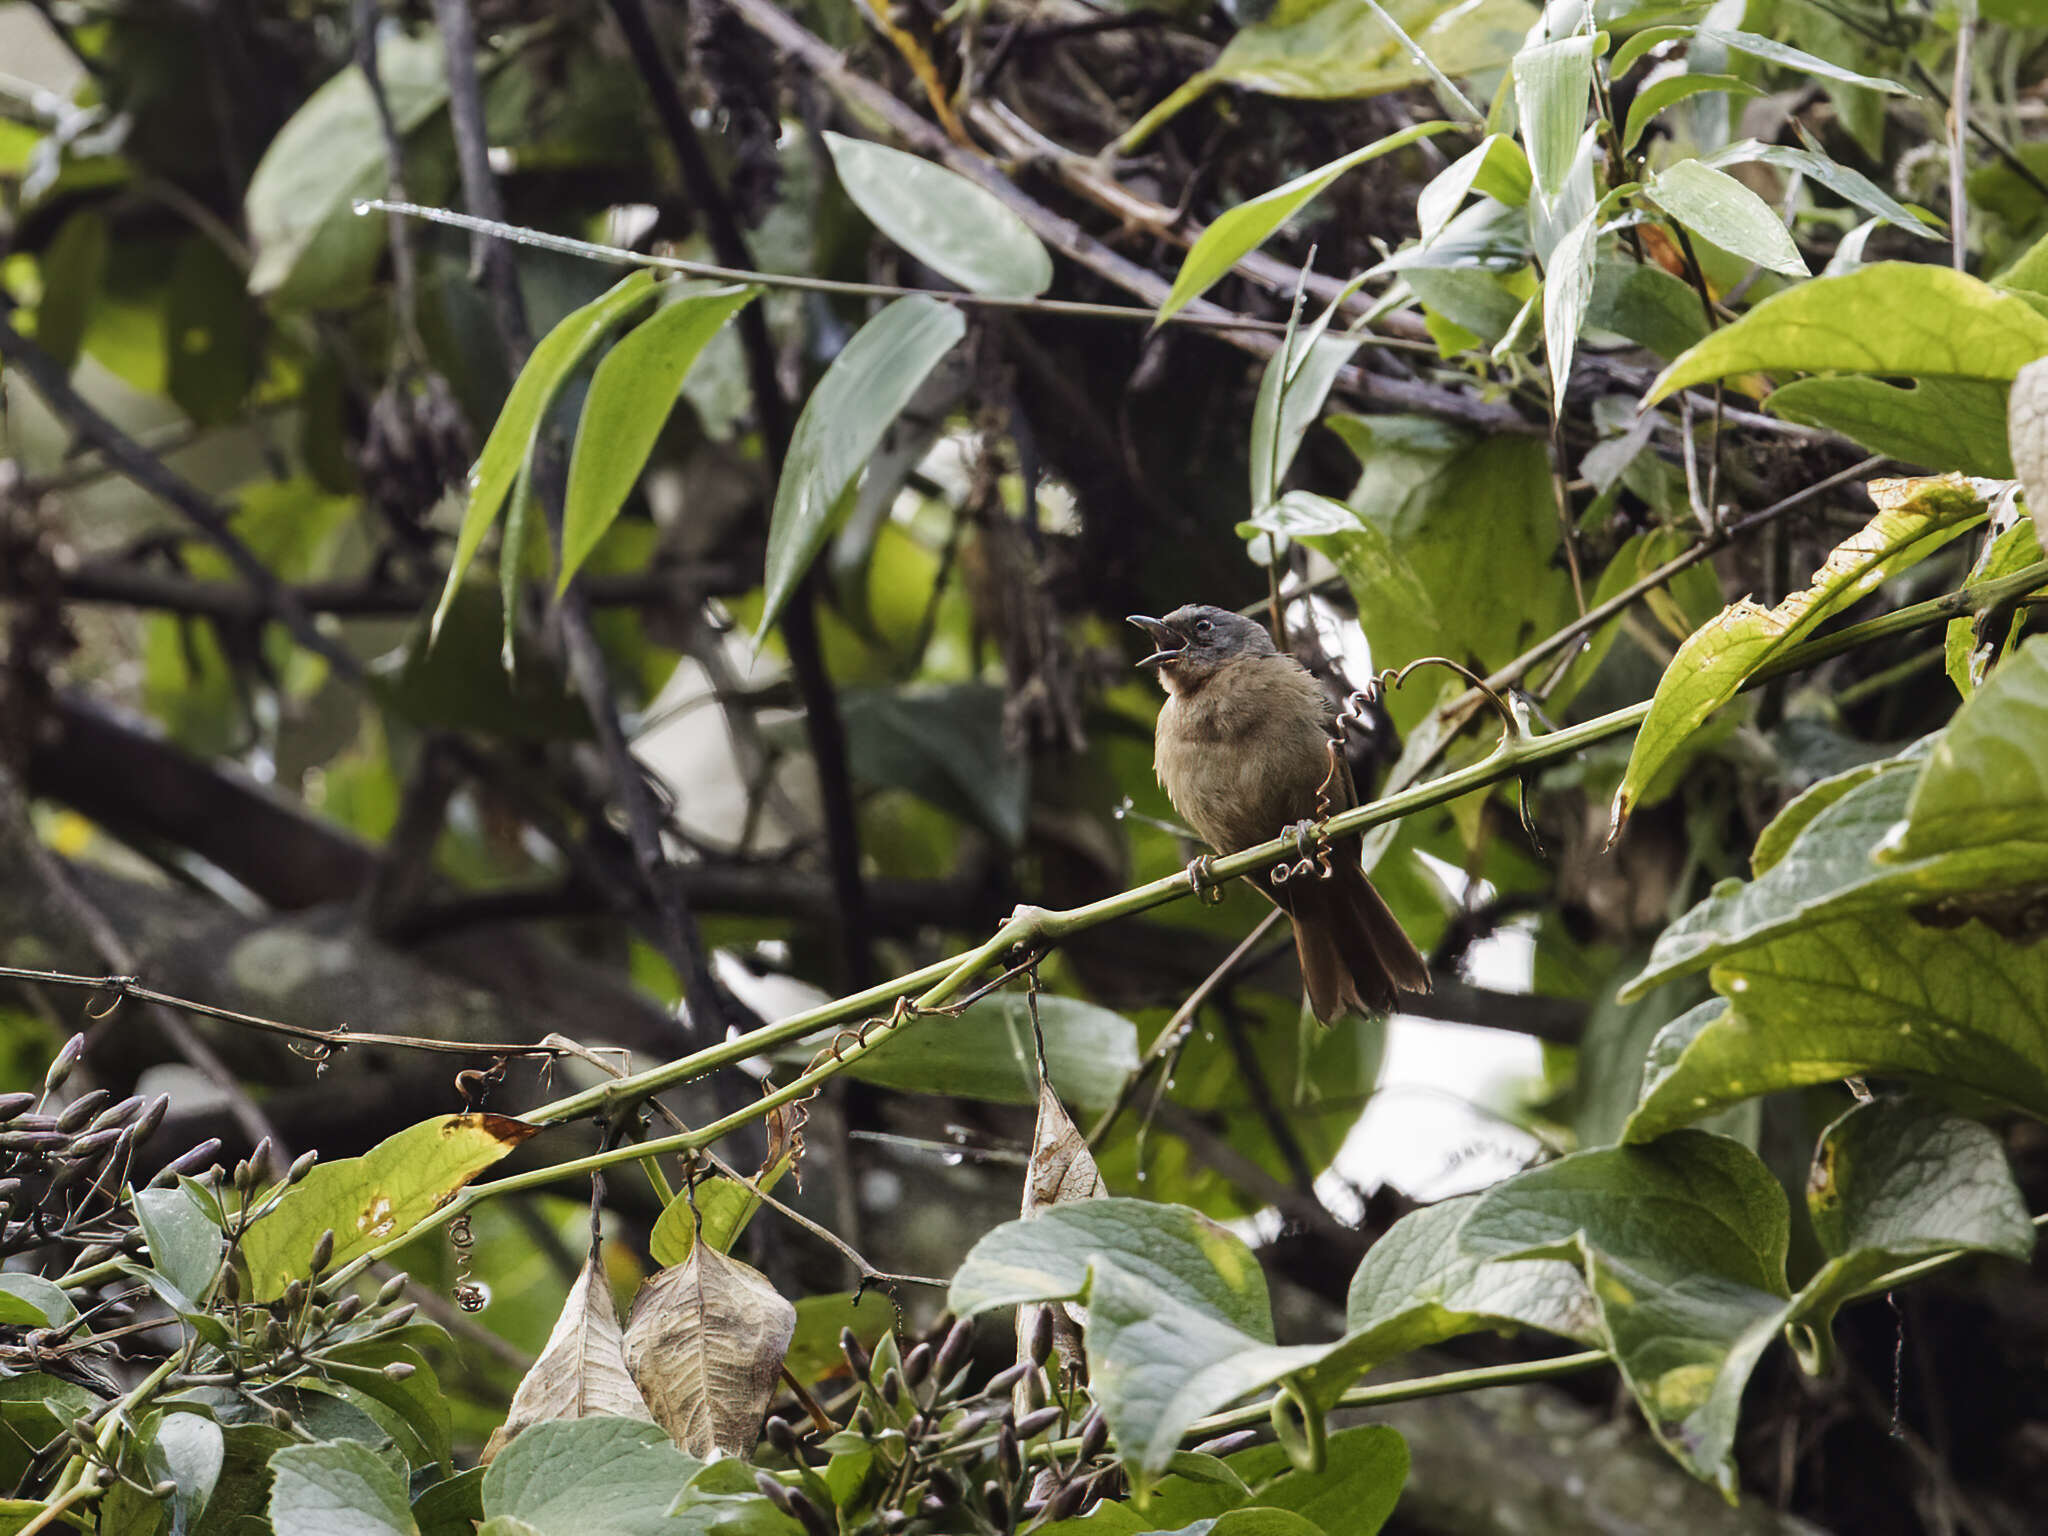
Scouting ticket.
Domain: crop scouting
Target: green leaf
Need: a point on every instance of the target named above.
(1937, 423)
(71, 269)
(1352, 1495)
(1881, 993)
(987, 1053)
(310, 247)
(184, 1242)
(1682, 1245)
(868, 385)
(631, 395)
(1891, 317)
(1969, 654)
(1553, 88)
(1831, 870)
(945, 745)
(211, 330)
(415, 1410)
(1495, 166)
(458, 681)
(1646, 304)
(958, 229)
(505, 451)
(1850, 185)
(369, 1199)
(30, 1301)
(340, 1489)
(568, 1477)
(1661, 95)
(187, 1449)
(1417, 1286)
(1292, 390)
(1186, 1257)
(1567, 288)
(1986, 781)
(452, 1507)
(723, 1205)
(1342, 49)
(1797, 59)
(1717, 207)
(1914, 519)
(1642, 42)
(1243, 229)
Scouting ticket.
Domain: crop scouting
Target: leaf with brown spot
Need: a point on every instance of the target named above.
(1061, 1169)
(370, 1199)
(705, 1344)
(583, 1369)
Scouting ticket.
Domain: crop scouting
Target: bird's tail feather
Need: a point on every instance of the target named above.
(1353, 951)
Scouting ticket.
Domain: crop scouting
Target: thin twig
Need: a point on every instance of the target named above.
(1958, 130)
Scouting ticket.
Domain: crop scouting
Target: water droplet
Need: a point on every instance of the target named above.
(1171, 1084)
(951, 1159)
(360, 207)
(1141, 1175)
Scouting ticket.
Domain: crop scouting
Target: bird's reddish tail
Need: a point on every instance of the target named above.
(1354, 954)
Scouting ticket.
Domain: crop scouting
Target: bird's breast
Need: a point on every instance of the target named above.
(1243, 756)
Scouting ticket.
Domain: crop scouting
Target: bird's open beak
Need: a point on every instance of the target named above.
(1170, 644)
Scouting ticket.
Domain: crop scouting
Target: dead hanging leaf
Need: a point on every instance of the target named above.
(1061, 1169)
(582, 1371)
(785, 1142)
(705, 1344)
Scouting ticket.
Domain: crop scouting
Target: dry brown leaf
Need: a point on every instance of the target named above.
(582, 1371)
(1061, 1169)
(705, 1344)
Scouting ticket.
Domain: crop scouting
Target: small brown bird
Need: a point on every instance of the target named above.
(1243, 748)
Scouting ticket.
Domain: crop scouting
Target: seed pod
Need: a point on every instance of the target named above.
(163, 1490)
(1009, 1455)
(294, 1296)
(402, 1316)
(230, 1284)
(1041, 1336)
(808, 1515)
(118, 1114)
(391, 1291)
(98, 1253)
(892, 1386)
(152, 1116)
(67, 1058)
(1094, 1435)
(82, 1109)
(323, 1250)
(863, 1421)
(945, 1484)
(782, 1437)
(95, 1143)
(301, 1166)
(917, 1365)
(953, 1352)
(398, 1370)
(1066, 1503)
(998, 1502)
(346, 1309)
(273, 1334)
(856, 1358)
(1006, 1378)
(1225, 1445)
(774, 1490)
(14, 1104)
(34, 1143)
(186, 1164)
(1037, 1422)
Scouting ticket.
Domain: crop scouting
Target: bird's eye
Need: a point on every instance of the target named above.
(1203, 626)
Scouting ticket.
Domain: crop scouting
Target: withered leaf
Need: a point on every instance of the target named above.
(1061, 1169)
(705, 1343)
(581, 1372)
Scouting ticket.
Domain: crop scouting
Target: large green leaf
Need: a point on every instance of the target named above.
(339, 1489)
(1244, 228)
(988, 1053)
(1837, 866)
(1682, 1245)
(868, 385)
(945, 745)
(1880, 993)
(1188, 1258)
(184, 1242)
(718, 1207)
(630, 397)
(1937, 423)
(958, 229)
(310, 246)
(1553, 87)
(1891, 317)
(568, 1477)
(414, 1408)
(1895, 1181)
(511, 441)
(1496, 166)
(365, 1200)
(1914, 519)
(1987, 779)
(1717, 207)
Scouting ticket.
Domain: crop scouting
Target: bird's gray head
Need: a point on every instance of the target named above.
(1195, 641)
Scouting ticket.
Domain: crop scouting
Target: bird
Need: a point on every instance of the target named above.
(1244, 749)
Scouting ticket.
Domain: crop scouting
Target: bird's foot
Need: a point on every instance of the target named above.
(1314, 847)
(1202, 880)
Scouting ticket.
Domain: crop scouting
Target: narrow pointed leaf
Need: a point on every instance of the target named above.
(631, 395)
(1772, 51)
(1553, 88)
(1662, 95)
(958, 229)
(868, 384)
(1717, 207)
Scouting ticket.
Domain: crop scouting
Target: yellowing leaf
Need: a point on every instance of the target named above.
(369, 1199)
